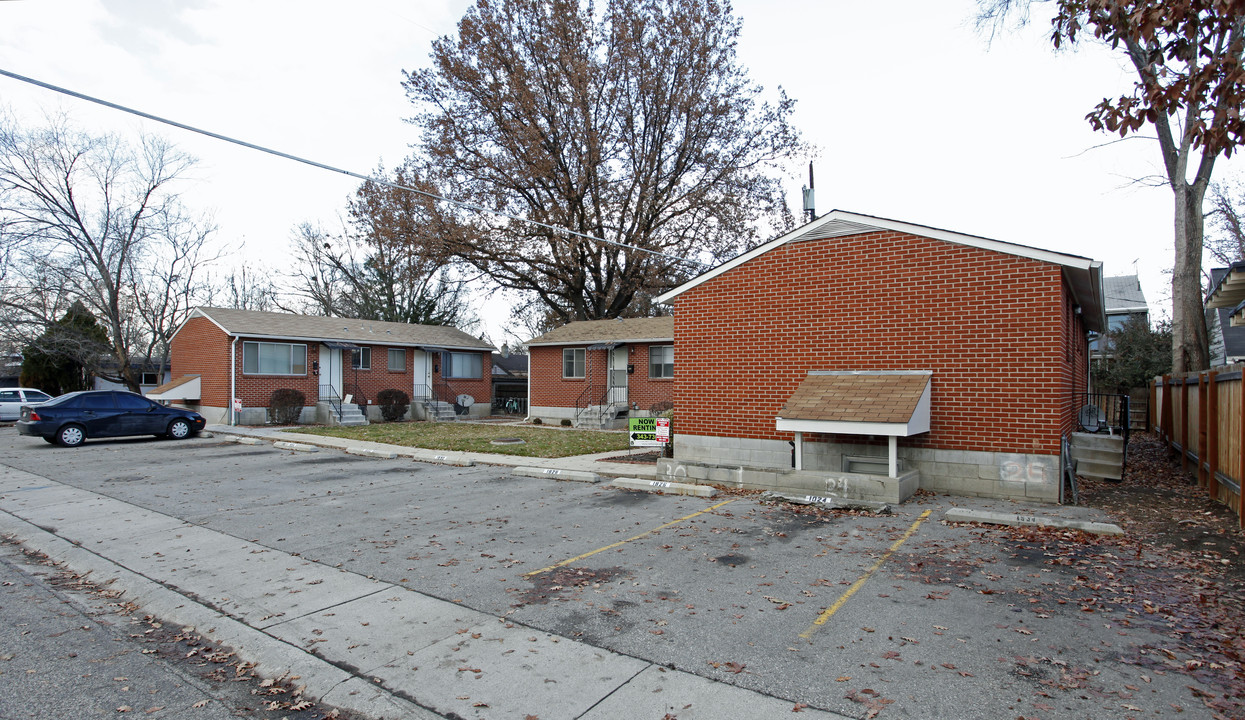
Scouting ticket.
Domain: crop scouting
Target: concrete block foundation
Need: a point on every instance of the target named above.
(766, 464)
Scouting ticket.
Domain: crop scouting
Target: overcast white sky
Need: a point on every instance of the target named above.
(917, 117)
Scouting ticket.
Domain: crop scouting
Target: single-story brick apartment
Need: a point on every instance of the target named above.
(864, 357)
(598, 372)
(219, 353)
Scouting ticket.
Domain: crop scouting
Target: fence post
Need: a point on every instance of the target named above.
(1240, 456)
(1184, 423)
(1212, 434)
(1165, 413)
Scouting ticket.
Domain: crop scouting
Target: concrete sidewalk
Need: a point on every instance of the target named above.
(577, 463)
(360, 644)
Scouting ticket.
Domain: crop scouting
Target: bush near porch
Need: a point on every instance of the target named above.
(472, 437)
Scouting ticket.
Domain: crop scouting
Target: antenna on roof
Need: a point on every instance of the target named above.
(810, 210)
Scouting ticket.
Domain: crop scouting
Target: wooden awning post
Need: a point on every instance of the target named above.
(799, 450)
(893, 443)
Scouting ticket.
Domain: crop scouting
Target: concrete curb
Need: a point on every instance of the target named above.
(668, 488)
(271, 656)
(558, 474)
(284, 445)
(442, 457)
(369, 452)
(997, 518)
(242, 440)
(827, 501)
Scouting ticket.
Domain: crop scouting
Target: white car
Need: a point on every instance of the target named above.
(12, 400)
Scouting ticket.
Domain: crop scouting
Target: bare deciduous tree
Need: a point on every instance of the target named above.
(91, 218)
(1189, 56)
(633, 122)
(386, 264)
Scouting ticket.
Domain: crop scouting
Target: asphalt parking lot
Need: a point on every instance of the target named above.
(893, 616)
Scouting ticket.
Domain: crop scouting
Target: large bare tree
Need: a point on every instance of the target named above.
(94, 219)
(1189, 59)
(386, 263)
(633, 122)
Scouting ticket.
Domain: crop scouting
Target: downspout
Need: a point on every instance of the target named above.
(233, 371)
(529, 386)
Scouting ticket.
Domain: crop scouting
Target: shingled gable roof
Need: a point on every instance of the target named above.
(588, 332)
(312, 328)
(1084, 275)
(894, 402)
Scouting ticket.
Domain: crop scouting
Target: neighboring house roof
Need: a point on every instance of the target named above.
(588, 332)
(1228, 292)
(287, 326)
(1232, 336)
(1084, 275)
(509, 365)
(895, 402)
(1122, 294)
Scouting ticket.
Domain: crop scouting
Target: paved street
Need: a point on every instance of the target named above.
(437, 587)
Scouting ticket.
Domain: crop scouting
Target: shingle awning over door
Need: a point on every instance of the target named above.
(339, 345)
(895, 403)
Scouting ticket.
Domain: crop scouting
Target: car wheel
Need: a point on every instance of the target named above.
(70, 436)
(179, 429)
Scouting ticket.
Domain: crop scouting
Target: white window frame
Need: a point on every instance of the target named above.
(154, 377)
(476, 360)
(363, 353)
(399, 353)
(660, 375)
(290, 346)
(578, 361)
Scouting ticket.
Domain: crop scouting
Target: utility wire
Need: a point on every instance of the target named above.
(330, 168)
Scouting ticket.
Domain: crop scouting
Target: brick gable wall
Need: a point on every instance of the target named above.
(201, 348)
(997, 331)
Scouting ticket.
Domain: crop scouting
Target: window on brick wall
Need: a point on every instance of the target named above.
(264, 358)
(361, 358)
(468, 366)
(573, 362)
(661, 361)
(397, 360)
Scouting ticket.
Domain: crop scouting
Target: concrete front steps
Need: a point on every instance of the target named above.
(351, 415)
(1098, 456)
(440, 411)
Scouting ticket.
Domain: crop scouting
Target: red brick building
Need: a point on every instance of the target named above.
(222, 353)
(596, 373)
(782, 351)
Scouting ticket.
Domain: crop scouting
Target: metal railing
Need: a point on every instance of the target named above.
(1103, 413)
(329, 395)
(439, 392)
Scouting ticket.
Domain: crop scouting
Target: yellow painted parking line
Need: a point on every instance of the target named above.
(555, 566)
(825, 615)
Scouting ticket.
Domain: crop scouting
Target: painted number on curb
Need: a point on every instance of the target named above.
(551, 471)
(658, 483)
(817, 499)
(440, 457)
(1027, 519)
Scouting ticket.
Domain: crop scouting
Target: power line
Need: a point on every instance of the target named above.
(330, 168)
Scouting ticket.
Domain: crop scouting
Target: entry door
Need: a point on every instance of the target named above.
(421, 374)
(618, 375)
(331, 369)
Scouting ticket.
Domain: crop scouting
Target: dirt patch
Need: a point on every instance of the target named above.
(563, 582)
(644, 458)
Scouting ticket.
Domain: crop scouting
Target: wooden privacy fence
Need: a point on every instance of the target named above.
(1202, 415)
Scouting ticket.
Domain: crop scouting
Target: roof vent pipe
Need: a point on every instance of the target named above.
(810, 205)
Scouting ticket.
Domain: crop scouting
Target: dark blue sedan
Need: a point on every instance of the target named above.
(72, 418)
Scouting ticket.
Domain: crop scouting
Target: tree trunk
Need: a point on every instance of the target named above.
(1190, 345)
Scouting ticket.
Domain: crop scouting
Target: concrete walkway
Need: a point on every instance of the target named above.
(364, 645)
(577, 463)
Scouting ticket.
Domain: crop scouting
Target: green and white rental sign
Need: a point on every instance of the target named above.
(649, 432)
